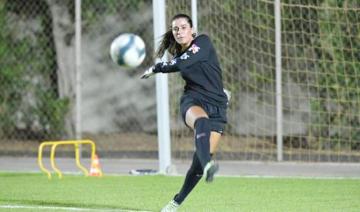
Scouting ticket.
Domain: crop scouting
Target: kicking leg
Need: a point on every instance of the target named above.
(197, 119)
(211, 168)
(202, 140)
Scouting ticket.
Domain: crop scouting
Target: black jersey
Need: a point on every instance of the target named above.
(200, 68)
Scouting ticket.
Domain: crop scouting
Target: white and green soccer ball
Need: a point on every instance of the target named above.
(128, 50)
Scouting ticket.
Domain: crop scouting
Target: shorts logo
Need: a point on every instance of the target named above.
(200, 135)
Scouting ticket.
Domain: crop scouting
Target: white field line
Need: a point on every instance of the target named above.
(284, 176)
(293, 177)
(42, 207)
(250, 176)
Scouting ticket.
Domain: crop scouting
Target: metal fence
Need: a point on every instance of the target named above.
(320, 47)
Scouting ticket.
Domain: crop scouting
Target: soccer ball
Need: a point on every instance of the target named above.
(127, 50)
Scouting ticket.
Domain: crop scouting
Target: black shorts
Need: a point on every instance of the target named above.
(217, 114)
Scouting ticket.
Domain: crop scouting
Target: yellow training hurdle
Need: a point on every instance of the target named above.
(54, 144)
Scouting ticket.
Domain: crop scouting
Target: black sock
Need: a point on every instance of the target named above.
(193, 176)
(202, 140)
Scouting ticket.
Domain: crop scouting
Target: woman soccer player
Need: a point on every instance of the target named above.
(204, 102)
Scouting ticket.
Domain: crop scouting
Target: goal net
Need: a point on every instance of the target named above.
(320, 78)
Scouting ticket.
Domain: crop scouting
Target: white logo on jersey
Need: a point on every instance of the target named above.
(164, 64)
(172, 62)
(184, 56)
(194, 48)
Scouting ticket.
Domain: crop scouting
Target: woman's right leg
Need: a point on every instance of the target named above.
(195, 172)
(193, 176)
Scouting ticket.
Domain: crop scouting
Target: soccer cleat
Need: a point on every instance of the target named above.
(209, 171)
(172, 206)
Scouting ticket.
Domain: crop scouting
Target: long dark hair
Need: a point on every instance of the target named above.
(168, 41)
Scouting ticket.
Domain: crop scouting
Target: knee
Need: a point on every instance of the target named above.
(202, 128)
(202, 124)
(194, 113)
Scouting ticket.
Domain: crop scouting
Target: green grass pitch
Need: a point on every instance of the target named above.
(34, 192)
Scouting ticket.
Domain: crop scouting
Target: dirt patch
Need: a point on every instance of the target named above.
(141, 145)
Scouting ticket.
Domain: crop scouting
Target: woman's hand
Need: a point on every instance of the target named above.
(228, 94)
(148, 73)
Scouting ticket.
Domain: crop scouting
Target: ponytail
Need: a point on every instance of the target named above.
(168, 43)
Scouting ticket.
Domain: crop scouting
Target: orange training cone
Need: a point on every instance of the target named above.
(95, 169)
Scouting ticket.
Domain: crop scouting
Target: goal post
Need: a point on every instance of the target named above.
(162, 95)
(278, 76)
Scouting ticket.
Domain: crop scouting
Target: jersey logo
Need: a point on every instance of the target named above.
(172, 62)
(194, 48)
(164, 64)
(184, 56)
